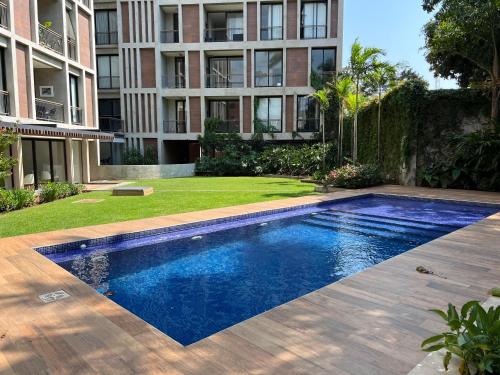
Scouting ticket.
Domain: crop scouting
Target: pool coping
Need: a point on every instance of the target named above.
(24, 264)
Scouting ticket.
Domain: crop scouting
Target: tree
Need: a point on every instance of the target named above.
(322, 97)
(7, 137)
(463, 41)
(361, 63)
(343, 89)
(380, 79)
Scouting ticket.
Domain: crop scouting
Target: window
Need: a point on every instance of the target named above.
(268, 114)
(271, 21)
(108, 72)
(110, 115)
(268, 68)
(4, 95)
(225, 72)
(307, 114)
(228, 111)
(313, 20)
(43, 161)
(323, 64)
(223, 27)
(106, 29)
(74, 100)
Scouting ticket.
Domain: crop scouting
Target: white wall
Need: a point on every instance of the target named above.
(132, 172)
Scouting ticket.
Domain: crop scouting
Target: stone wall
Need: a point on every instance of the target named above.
(132, 172)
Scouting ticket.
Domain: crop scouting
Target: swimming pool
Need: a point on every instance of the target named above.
(192, 281)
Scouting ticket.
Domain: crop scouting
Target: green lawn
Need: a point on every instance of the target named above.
(171, 196)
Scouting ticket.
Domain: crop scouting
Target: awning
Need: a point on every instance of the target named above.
(51, 131)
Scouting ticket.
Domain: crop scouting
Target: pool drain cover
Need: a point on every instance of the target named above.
(53, 296)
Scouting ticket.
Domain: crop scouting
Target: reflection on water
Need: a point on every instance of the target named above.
(94, 270)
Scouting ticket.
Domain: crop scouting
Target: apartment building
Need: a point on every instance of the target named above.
(164, 66)
(48, 90)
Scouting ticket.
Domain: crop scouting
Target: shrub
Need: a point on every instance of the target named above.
(474, 337)
(132, 156)
(355, 176)
(59, 190)
(11, 200)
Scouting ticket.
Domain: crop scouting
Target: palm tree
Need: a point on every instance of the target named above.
(382, 76)
(322, 98)
(342, 88)
(360, 65)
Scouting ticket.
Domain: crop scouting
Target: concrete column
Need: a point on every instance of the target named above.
(17, 153)
(69, 160)
(85, 161)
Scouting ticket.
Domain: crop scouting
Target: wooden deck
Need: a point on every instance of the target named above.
(370, 323)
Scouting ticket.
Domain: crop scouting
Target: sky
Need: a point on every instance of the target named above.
(396, 27)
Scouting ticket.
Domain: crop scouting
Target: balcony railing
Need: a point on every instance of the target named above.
(4, 15)
(4, 103)
(174, 127)
(71, 46)
(106, 38)
(176, 82)
(49, 111)
(268, 79)
(308, 125)
(50, 39)
(224, 35)
(271, 33)
(224, 81)
(76, 115)
(111, 124)
(169, 36)
(313, 31)
(108, 82)
(228, 126)
(268, 126)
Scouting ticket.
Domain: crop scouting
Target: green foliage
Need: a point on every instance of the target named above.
(473, 336)
(355, 176)
(7, 137)
(470, 161)
(11, 200)
(291, 160)
(150, 156)
(133, 156)
(59, 190)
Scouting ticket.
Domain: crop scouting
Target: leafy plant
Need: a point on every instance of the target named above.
(11, 200)
(133, 156)
(473, 336)
(355, 176)
(59, 190)
(7, 137)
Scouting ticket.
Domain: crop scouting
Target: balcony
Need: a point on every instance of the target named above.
(50, 39)
(308, 125)
(106, 38)
(174, 127)
(4, 15)
(108, 82)
(268, 79)
(71, 46)
(169, 36)
(216, 80)
(49, 111)
(268, 126)
(76, 115)
(228, 126)
(4, 103)
(111, 124)
(271, 33)
(224, 35)
(176, 82)
(313, 31)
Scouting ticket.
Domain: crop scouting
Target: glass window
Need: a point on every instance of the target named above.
(268, 114)
(268, 68)
(43, 168)
(77, 162)
(323, 64)
(110, 108)
(58, 161)
(225, 72)
(313, 22)
(228, 111)
(271, 21)
(224, 26)
(108, 72)
(28, 164)
(106, 28)
(4, 95)
(307, 114)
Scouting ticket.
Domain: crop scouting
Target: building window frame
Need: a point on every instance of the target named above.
(315, 30)
(322, 76)
(113, 81)
(267, 126)
(309, 124)
(110, 36)
(268, 79)
(276, 31)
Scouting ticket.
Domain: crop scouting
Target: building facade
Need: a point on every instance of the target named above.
(48, 90)
(164, 66)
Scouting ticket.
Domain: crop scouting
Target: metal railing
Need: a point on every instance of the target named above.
(169, 36)
(49, 111)
(176, 82)
(268, 126)
(71, 46)
(111, 124)
(308, 125)
(228, 126)
(216, 80)
(50, 39)
(174, 127)
(105, 38)
(4, 103)
(4, 15)
(108, 82)
(271, 33)
(313, 31)
(224, 35)
(268, 80)
(76, 115)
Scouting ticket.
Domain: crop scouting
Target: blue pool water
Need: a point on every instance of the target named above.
(191, 287)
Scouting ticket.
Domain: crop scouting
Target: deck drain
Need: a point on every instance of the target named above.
(53, 296)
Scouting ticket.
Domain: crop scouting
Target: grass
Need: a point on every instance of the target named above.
(171, 196)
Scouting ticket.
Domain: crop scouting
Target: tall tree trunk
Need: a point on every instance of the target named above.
(378, 123)
(322, 123)
(355, 127)
(495, 87)
(340, 135)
